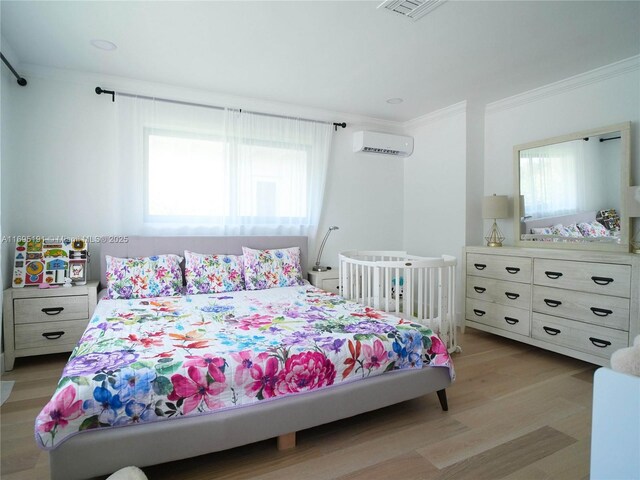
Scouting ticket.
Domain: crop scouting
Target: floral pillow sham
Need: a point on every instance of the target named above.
(542, 231)
(210, 273)
(272, 268)
(593, 229)
(566, 230)
(143, 277)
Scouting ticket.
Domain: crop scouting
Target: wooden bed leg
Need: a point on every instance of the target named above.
(287, 441)
(442, 396)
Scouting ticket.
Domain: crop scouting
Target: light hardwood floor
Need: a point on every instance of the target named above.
(515, 412)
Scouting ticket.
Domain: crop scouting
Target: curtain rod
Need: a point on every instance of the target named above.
(21, 80)
(113, 93)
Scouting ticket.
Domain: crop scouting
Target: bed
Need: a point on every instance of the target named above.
(195, 352)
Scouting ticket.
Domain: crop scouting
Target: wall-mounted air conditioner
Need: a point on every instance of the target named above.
(382, 143)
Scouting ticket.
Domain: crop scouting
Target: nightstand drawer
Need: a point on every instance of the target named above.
(49, 334)
(50, 309)
(330, 285)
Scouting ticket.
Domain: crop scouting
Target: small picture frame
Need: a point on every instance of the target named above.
(78, 272)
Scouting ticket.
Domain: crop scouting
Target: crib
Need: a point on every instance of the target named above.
(419, 289)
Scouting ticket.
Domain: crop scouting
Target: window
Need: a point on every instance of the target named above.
(194, 178)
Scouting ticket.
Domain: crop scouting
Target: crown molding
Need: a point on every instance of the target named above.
(186, 94)
(451, 110)
(577, 81)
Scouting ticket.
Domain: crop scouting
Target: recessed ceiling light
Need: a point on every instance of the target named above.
(103, 44)
(395, 101)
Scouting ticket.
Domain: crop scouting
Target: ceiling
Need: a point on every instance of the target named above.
(346, 56)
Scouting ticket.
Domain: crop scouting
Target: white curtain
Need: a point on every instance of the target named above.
(190, 170)
(552, 179)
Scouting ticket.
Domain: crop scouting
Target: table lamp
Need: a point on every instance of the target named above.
(494, 207)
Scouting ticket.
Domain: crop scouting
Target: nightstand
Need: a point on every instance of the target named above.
(325, 280)
(49, 320)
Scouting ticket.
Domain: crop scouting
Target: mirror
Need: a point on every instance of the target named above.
(569, 190)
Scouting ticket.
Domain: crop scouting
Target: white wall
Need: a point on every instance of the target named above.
(363, 197)
(435, 189)
(65, 139)
(604, 97)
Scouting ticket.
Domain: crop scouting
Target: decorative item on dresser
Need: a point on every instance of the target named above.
(326, 280)
(41, 321)
(494, 207)
(582, 304)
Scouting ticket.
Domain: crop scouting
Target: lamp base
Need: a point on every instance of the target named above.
(318, 268)
(495, 237)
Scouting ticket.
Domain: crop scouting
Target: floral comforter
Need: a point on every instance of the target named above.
(163, 358)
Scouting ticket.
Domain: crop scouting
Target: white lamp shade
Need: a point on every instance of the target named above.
(495, 206)
(633, 201)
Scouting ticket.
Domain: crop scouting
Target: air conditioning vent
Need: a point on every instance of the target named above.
(413, 9)
(382, 144)
(384, 151)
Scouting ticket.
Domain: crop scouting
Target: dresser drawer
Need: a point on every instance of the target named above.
(512, 319)
(600, 278)
(604, 310)
(587, 338)
(499, 291)
(49, 334)
(501, 267)
(48, 309)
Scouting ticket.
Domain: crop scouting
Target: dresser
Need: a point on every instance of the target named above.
(579, 303)
(41, 321)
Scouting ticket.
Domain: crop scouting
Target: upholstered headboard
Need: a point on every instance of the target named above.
(146, 246)
(527, 225)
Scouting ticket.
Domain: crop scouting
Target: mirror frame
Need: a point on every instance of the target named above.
(625, 166)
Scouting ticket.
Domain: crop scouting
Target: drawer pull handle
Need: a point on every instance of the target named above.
(552, 303)
(602, 280)
(480, 289)
(601, 312)
(512, 270)
(551, 331)
(52, 310)
(512, 296)
(479, 266)
(53, 335)
(479, 313)
(553, 275)
(511, 321)
(599, 343)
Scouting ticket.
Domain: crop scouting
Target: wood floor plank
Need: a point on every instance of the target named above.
(508, 457)
(507, 396)
(409, 466)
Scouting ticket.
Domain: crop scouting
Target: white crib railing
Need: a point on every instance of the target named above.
(420, 289)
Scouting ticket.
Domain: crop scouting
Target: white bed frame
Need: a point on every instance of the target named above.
(420, 289)
(103, 451)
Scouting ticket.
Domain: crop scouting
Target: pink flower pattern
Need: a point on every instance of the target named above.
(60, 410)
(195, 389)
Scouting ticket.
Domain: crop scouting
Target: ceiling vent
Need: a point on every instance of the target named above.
(413, 9)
